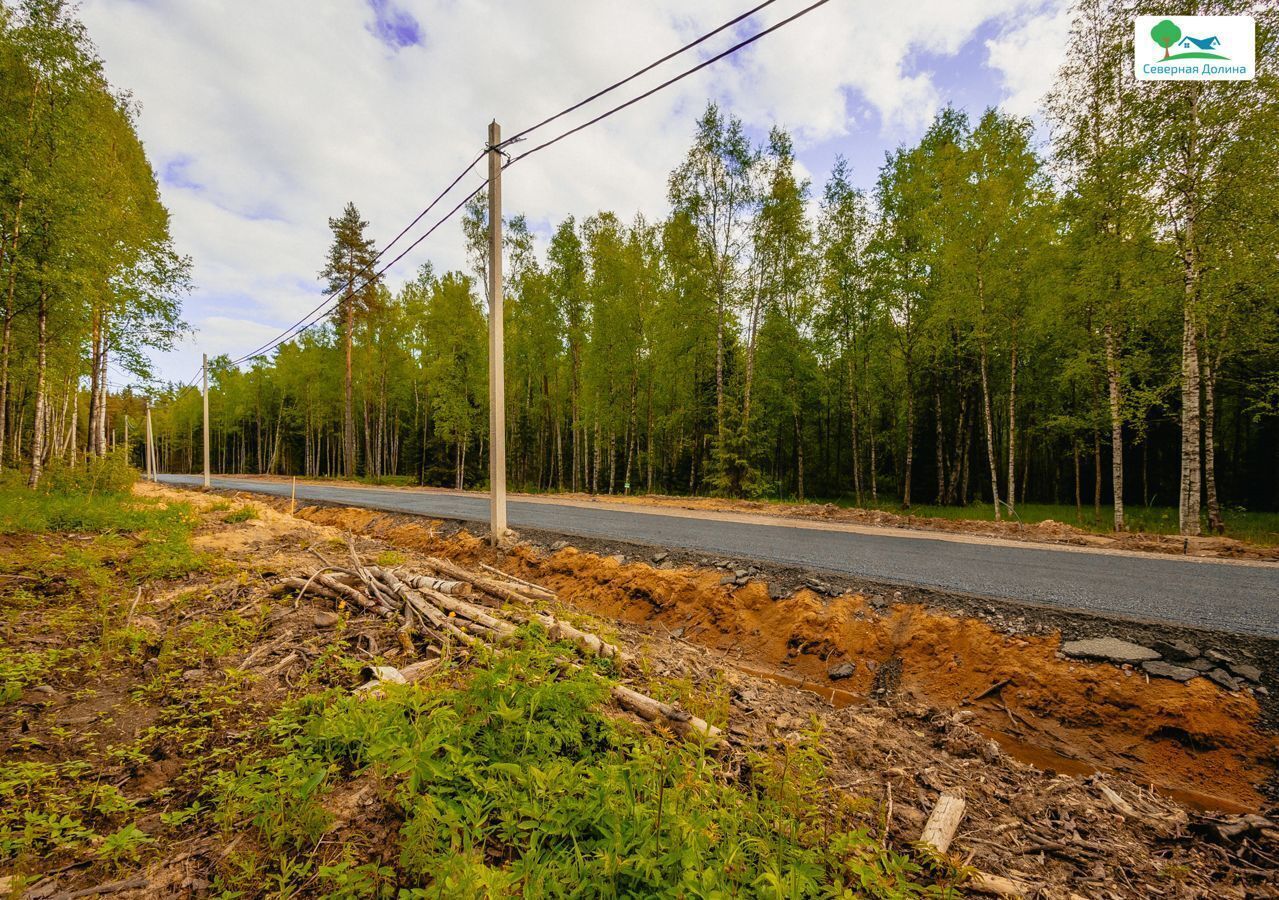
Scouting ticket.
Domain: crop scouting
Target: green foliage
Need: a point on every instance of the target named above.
(124, 845)
(161, 532)
(515, 782)
(89, 268)
(245, 513)
(107, 474)
(42, 807)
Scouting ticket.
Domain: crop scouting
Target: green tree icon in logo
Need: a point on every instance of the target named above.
(1166, 33)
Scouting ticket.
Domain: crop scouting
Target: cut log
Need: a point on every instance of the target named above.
(998, 885)
(1122, 806)
(941, 826)
(444, 586)
(353, 595)
(424, 607)
(492, 587)
(381, 675)
(377, 676)
(533, 590)
(682, 723)
(420, 670)
(596, 646)
(476, 614)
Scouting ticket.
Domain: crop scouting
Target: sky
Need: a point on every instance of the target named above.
(263, 119)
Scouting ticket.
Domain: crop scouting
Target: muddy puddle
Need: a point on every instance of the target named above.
(1194, 741)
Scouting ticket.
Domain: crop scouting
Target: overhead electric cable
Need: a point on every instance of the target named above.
(315, 319)
(665, 84)
(331, 298)
(519, 135)
(284, 335)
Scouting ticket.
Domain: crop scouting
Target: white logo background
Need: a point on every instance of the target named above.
(1236, 41)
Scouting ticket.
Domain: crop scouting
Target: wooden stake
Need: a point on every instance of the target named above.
(293, 496)
(497, 369)
(205, 370)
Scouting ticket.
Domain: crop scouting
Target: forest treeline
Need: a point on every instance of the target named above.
(89, 278)
(1091, 320)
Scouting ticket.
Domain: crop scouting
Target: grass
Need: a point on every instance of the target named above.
(245, 513)
(77, 584)
(1254, 527)
(510, 776)
(512, 780)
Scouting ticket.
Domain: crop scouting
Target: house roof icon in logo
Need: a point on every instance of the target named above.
(1189, 43)
(1166, 33)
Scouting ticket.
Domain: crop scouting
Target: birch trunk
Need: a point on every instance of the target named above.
(1215, 522)
(941, 450)
(799, 456)
(910, 438)
(1191, 422)
(990, 431)
(38, 424)
(1116, 428)
(852, 411)
(1012, 428)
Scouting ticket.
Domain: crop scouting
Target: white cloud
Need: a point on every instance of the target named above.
(1028, 55)
(268, 117)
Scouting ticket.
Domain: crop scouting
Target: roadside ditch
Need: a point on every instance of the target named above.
(998, 665)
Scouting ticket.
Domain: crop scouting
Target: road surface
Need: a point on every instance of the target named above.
(1241, 597)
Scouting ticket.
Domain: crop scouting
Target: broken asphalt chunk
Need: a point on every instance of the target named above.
(1168, 670)
(1108, 649)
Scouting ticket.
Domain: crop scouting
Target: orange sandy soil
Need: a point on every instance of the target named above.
(1048, 532)
(1193, 740)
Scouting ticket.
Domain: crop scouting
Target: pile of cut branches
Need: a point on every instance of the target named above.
(450, 607)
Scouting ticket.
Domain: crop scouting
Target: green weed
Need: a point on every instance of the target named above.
(245, 513)
(516, 782)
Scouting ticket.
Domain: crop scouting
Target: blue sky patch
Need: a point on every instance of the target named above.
(394, 26)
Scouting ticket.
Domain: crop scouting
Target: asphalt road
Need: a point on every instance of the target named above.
(1236, 597)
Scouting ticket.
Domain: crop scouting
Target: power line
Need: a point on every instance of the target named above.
(331, 298)
(665, 84)
(304, 323)
(653, 65)
(284, 335)
(315, 319)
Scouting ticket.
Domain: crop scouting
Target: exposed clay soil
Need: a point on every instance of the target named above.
(1195, 741)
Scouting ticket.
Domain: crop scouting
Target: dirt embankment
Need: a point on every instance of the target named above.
(1195, 741)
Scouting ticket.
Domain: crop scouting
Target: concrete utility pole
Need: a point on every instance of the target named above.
(497, 367)
(206, 421)
(150, 449)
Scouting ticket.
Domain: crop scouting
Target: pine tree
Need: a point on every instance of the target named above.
(350, 275)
